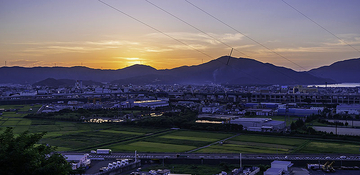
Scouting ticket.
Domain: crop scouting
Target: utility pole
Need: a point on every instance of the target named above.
(240, 161)
(336, 121)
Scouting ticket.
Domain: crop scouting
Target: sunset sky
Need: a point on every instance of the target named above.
(90, 33)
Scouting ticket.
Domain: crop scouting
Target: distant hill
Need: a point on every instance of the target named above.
(347, 71)
(238, 71)
(24, 75)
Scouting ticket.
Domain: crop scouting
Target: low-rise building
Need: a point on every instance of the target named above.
(77, 160)
(259, 124)
(297, 112)
(209, 109)
(151, 103)
(348, 109)
(279, 167)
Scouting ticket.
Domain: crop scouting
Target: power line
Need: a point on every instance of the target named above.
(194, 27)
(177, 39)
(212, 37)
(253, 41)
(227, 64)
(154, 28)
(166, 34)
(244, 34)
(320, 26)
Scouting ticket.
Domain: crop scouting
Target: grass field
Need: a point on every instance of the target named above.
(243, 148)
(70, 136)
(197, 136)
(176, 141)
(152, 147)
(256, 144)
(22, 110)
(269, 139)
(330, 147)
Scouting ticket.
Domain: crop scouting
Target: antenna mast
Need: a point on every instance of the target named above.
(229, 56)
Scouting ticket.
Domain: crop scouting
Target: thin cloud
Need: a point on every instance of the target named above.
(23, 62)
(130, 58)
(356, 41)
(156, 50)
(243, 46)
(302, 49)
(70, 47)
(189, 47)
(213, 39)
(112, 43)
(317, 49)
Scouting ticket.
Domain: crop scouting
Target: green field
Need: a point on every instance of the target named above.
(22, 110)
(152, 147)
(270, 139)
(256, 144)
(76, 136)
(176, 141)
(330, 147)
(243, 148)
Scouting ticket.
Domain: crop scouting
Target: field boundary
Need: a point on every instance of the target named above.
(300, 147)
(132, 139)
(212, 144)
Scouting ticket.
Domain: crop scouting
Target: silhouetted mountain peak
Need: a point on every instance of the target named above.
(223, 70)
(139, 67)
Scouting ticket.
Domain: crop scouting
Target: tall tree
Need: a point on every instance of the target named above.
(21, 155)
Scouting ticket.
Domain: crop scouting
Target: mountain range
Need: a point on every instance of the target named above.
(223, 70)
(347, 71)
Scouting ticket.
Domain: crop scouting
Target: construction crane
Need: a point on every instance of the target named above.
(94, 100)
(328, 167)
(324, 166)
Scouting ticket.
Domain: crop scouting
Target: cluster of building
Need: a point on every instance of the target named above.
(13, 91)
(235, 112)
(236, 102)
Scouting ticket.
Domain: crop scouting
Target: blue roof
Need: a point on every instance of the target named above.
(298, 112)
(274, 122)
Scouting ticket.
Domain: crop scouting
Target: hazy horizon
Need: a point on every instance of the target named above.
(152, 66)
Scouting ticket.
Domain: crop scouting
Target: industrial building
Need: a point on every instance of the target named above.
(348, 109)
(279, 167)
(297, 112)
(259, 124)
(209, 109)
(151, 103)
(263, 112)
(77, 160)
(262, 105)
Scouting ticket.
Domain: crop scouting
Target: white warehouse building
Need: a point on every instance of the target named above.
(259, 124)
(348, 109)
(78, 160)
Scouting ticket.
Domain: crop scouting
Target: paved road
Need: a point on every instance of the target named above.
(348, 157)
